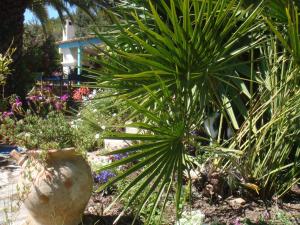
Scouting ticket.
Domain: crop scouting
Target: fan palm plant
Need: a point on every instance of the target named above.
(174, 70)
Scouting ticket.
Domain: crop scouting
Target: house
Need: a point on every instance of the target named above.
(72, 48)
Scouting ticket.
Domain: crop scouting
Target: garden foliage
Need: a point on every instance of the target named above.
(177, 64)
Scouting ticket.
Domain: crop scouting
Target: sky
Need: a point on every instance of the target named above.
(29, 16)
(51, 11)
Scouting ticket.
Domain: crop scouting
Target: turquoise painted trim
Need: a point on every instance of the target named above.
(79, 61)
(77, 44)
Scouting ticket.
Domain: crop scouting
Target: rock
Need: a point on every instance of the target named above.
(236, 202)
(111, 144)
(208, 191)
(193, 175)
(96, 160)
(296, 189)
(131, 130)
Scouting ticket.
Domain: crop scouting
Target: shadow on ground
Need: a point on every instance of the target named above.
(107, 220)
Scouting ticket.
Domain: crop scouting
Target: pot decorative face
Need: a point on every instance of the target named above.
(55, 190)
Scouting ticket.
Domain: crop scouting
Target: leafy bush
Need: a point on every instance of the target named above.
(51, 132)
(96, 115)
(5, 62)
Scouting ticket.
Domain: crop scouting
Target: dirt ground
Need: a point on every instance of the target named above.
(223, 212)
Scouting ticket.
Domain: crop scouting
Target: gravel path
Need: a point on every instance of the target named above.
(10, 211)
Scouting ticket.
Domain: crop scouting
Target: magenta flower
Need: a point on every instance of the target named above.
(18, 103)
(64, 97)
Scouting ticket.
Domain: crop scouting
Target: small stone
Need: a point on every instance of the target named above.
(296, 189)
(208, 191)
(237, 202)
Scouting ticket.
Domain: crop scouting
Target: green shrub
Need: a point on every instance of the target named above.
(95, 116)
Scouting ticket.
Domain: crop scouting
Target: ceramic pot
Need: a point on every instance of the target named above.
(54, 190)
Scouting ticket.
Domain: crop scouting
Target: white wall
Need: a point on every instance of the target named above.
(69, 59)
(69, 30)
(69, 55)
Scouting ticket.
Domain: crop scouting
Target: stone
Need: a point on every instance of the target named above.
(112, 144)
(236, 202)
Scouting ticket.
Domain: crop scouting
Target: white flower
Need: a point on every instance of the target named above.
(94, 110)
(103, 127)
(114, 114)
(191, 218)
(97, 136)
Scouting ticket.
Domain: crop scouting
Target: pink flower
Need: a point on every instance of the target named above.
(266, 215)
(64, 97)
(58, 105)
(18, 102)
(237, 222)
(32, 98)
(16, 106)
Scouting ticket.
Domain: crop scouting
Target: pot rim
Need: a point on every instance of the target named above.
(51, 154)
(50, 151)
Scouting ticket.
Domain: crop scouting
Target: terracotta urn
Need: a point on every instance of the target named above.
(55, 186)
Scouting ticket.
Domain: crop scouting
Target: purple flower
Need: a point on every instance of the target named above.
(237, 222)
(120, 156)
(103, 176)
(64, 97)
(7, 114)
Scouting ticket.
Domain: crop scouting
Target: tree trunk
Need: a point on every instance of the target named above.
(11, 32)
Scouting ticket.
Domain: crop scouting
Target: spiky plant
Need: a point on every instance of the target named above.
(174, 67)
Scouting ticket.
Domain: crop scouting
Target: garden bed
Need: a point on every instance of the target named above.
(250, 212)
(232, 210)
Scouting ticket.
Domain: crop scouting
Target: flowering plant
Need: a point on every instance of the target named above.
(81, 93)
(43, 100)
(103, 176)
(40, 101)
